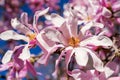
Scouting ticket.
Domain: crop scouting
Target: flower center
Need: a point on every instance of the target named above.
(88, 18)
(31, 36)
(73, 41)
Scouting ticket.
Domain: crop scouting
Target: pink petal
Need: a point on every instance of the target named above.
(45, 57)
(106, 13)
(23, 72)
(4, 67)
(116, 6)
(31, 68)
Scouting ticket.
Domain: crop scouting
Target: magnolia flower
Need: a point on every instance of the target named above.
(17, 64)
(72, 42)
(110, 10)
(29, 31)
(21, 55)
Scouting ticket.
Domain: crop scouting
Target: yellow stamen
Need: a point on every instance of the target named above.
(88, 18)
(74, 41)
(31, 36)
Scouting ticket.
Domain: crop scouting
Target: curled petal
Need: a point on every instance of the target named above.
(19, 26)
(24, 18)
(86, 27)
(7, 57)
(97, 63)
(10, 34)
(97, 41)
(106, 13)
(36, 17)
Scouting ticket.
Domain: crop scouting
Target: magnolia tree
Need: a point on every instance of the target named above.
(83, 44)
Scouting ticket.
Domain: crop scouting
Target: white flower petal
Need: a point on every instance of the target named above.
(97, 41)
(108, 72)
(86, 27)
(81, 56)
(52, 34)
(7, 57)
(19, 26)
(25, 53)
(15, 23)
(57, 20)
(45, 45)
(10, 34)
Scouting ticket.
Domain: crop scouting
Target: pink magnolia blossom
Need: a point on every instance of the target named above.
(20, 55)
(18, 67)
(73, 43)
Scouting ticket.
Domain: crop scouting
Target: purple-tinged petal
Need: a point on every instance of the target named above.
(7, 57)
(86, 27)
(97, 63)
(19, 26)
(81, 56)
(106, 13)
(74, 27)
(36, 17)
(76, 74)
(110, 68)
(69, 54)
(117, 14)
(65, 30)
(10, 34)
(57, 63)
(116, 6)
(24, 18)
(31, 68)
(4, 67)
(97, 41)
(46, 55)
(52, 34)
(23, 72)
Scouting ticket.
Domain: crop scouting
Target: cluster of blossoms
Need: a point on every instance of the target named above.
(85, 39)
